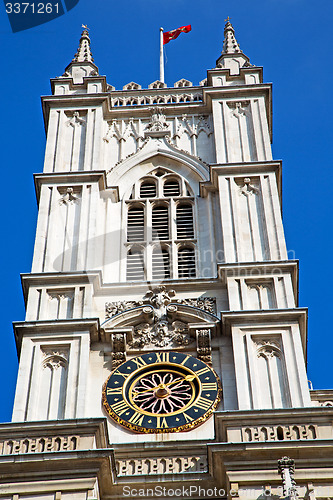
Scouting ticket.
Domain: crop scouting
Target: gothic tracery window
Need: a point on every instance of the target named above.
(160, 228)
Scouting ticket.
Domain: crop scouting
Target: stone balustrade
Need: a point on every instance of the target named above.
(52, 436)
(274, 425)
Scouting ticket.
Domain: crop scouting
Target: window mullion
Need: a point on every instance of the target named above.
(173, 237)
(149, 261)
(148, 222)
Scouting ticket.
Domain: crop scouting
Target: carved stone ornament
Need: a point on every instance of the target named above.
(68, 198)
(160, 334)
(158, 126)
(160, 329)
(118, 349)
(113, 308)
(54, 358)
(268, 348)
(207, 304)
(248, 189)
(286, 467)
(75, 120)
(204, 348)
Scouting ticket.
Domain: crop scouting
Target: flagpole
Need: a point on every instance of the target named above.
(161, 57)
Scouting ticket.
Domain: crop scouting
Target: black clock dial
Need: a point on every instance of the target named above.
(161, 392)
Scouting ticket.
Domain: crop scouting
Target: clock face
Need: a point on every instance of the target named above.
(161, 392)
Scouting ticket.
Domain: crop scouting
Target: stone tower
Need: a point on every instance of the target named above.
(163, 345)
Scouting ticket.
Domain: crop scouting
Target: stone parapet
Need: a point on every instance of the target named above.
(274, 425)
(52, 436)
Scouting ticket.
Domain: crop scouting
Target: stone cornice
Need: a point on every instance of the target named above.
(242, 92)
(60, 279)
(58, 327)
(267, 316)
(96, 427)
(244, 169)
(84, 100)
(76, 178)
(259, 269)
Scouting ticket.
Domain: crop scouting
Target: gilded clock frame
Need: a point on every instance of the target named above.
(144, 430)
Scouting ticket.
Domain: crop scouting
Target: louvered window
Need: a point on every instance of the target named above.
(148, 190)
(161, 209)
(135, 224)
(160, 223)
(135, 265)
(186, 263)
(184, 221)
(171, 188)
(161, 264)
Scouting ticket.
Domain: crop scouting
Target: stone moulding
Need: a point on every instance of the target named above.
(39, 445)
(52, 436)
(303, 424)
(159, 466)
(207, 304)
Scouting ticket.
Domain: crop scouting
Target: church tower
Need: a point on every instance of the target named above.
(163, 351)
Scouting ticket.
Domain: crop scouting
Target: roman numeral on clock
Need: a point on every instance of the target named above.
(209, 386)
(187, 417)
(161, 423)
(120, 407)
(114, 390)
(162, 357)
(139, 362)
(125, 375)
(202, 371)
(136, 418)
(203, 403)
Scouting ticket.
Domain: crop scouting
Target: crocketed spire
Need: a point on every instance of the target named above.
(82, 64)
(232, 57)
(83, 53)
(230, 44)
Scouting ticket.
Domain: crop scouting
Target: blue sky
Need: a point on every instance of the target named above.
(291, 39)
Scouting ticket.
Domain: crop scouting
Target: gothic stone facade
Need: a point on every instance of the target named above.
(160, 230)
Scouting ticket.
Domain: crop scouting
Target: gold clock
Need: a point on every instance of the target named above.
(161, 392)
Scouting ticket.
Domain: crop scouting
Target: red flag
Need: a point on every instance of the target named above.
(171, 35)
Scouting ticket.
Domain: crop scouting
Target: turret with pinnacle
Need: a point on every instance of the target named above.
(82, 64)
(231, 57)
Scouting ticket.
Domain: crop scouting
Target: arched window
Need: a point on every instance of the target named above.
(135, 265)
(171, 188)
(160, 208)
(186, 263)
(161, 264)
(184, 221)
(148, 189)
(135, 224)
(160, 222)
